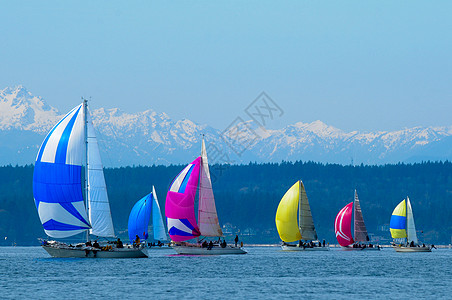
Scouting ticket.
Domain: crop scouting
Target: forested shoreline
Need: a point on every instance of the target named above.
(247, 197)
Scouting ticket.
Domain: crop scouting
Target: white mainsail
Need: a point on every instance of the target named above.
(157, 220)
(98, 205)
(307, 228)
(360, 231)
(207, 213)
(411, 229)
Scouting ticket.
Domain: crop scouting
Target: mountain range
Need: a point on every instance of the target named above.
(148, 137)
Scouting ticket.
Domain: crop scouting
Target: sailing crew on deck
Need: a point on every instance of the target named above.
(96, 244)
(137, 241)
(119, 243)
(236, 240)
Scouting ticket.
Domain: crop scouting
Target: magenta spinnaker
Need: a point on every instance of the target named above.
(343, 226)
(180, 204)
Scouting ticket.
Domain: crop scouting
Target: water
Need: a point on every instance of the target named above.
(263, 273)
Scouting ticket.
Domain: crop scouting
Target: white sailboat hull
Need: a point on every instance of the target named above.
(412, 249)
(216, 250)
(375, 248)
(90, 252)
(159, 248)
(297, 248)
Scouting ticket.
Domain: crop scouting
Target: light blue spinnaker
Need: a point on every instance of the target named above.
(139, 218)
(140, 215)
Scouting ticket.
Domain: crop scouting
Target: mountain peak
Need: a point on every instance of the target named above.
(149, 137)
(21, 110)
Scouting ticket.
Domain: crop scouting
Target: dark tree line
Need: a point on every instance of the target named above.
(247, 196)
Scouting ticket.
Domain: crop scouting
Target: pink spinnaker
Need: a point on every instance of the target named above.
(342, 225)
(180, 207)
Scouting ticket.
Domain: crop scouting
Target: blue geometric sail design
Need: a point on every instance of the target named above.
(57, 186)
(139, 218)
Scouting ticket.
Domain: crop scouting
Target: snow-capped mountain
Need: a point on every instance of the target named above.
(148, 137)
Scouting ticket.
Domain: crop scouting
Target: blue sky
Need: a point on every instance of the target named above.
(356, 65)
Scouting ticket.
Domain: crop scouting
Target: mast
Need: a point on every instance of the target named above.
(299, 207)
(407, 216)
(354, 216)
(85, 121)
(411, 227)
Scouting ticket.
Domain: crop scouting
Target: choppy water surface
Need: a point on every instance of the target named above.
(265, 272)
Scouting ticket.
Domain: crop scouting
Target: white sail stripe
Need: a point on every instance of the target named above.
(54, 211)
(341, 233)
(76, 143)
(176, 223)
(51, 146)
(180, 178)
(63, 234)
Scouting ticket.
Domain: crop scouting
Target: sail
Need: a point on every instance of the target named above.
(397, 226)
(342, 225)
(307, 227)
(157, 220)
(207, 213)
(98, 205)
(139, 218)
(57, 184)
(360, 231)
(180, 204)
(286, 215)
(411, 229)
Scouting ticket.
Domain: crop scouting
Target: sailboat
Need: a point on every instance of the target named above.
(402, 227)
(139, 219)
(295, 200)
(58, 189)
(180, 211)
(343, 228)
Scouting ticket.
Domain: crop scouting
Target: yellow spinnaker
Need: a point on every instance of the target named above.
(397, 225)
(286, 215)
